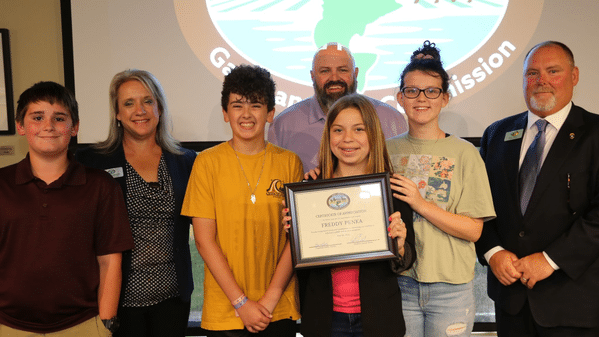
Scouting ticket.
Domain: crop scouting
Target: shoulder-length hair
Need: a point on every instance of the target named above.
(378, 158)
(163, 130)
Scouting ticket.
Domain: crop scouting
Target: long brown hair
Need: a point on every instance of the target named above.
(378, 158)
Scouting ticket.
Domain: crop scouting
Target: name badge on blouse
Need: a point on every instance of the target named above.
(116, 172)
(511, 135)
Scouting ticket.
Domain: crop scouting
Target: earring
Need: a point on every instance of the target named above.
(118, 124)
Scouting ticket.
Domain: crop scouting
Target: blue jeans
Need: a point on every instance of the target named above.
(346, 325)
(437, 309)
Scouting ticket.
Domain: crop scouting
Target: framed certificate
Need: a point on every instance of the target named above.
(340, 220)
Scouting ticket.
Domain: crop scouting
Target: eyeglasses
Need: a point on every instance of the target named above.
(412, 92)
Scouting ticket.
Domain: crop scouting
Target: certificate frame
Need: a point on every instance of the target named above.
(351, 234)
(7, 120)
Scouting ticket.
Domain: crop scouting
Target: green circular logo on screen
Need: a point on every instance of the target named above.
(477, 38)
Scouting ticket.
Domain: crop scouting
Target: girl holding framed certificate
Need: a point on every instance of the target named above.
(356, 299)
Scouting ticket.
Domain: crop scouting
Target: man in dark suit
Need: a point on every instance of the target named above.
(543, 247)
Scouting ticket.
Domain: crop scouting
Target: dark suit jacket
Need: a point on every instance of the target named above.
(179, 167)
(562, 219)
(380, 296)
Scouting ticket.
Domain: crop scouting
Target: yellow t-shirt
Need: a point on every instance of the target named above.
(250, 235)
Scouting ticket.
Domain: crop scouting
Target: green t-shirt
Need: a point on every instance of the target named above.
(450, 173)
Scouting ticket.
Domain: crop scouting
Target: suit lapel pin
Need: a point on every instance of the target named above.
(511, 135)
(572, 135)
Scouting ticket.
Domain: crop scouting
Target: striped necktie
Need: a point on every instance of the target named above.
(531, 165)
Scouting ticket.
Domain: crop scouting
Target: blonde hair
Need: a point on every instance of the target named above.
(378, 158)
(163, 131)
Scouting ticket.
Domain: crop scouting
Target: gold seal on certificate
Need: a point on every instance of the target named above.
(340, 220)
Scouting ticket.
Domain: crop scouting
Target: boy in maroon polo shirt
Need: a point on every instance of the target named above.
(62, 228)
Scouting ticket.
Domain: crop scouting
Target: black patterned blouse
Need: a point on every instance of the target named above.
(151, 205)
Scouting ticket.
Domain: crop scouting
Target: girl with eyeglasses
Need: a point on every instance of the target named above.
(443, 179)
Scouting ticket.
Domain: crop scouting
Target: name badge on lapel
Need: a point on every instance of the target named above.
(511, 135)
(116, 172)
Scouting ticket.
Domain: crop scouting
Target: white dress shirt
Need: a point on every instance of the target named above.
(554, 124)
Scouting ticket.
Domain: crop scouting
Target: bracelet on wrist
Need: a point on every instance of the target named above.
(238, 299)
(239, 302)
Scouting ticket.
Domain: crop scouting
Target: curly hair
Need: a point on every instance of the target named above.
(428, 50)
(251, 82)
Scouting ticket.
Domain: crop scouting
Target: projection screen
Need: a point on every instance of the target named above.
(190, 44)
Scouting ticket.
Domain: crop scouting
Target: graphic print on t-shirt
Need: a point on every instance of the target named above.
(276, 188)
(432, 175)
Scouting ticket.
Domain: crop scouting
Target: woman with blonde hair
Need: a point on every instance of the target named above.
(152, 169)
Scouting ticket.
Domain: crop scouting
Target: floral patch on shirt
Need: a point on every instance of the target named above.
(432, 175)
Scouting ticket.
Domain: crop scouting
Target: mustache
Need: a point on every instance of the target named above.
(332, 83)
(542, 89)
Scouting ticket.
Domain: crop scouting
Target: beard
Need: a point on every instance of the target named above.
(545, 106)
(327, 100)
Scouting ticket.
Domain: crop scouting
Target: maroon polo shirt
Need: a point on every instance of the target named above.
(50, 236)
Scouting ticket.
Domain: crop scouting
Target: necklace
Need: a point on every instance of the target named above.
(252, 193)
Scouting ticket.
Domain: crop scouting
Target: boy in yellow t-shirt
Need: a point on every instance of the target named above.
(234, 196)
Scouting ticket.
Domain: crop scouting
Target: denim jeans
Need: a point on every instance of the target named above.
(437, 309)
(346, 325)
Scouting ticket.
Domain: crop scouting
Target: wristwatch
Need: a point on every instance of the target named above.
(111, 324)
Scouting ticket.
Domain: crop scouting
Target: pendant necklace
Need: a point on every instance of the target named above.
(252, 193)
